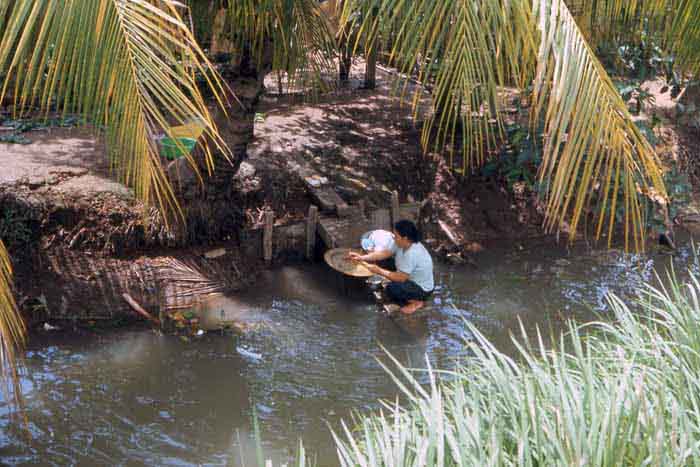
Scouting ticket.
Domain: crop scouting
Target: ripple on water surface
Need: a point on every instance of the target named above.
(138, 397)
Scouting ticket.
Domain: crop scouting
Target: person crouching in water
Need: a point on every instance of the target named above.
(412, 282)
(379, 246)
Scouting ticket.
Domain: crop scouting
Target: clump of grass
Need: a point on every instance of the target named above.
(614, 394)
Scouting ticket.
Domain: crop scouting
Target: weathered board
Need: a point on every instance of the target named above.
(343, 232)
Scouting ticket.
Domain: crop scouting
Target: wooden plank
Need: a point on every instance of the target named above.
(326, 230)
(343, 232)
(267, 235)
(311, 225)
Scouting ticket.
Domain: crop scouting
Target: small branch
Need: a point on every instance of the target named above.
(449, 233)
(137, 308)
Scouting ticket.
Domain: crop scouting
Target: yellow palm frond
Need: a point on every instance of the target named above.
(673, 24)
(682, 36)
(606, 19)
(594, 155)
(295, 33)
(468, 50)
(12, 329)
(593, 151)
(131, 67)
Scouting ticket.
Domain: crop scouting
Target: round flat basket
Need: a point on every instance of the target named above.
(337, 259)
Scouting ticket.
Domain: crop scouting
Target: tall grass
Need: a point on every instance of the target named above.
(611, 394)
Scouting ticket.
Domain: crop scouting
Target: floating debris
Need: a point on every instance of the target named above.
(217, 253)
(48, 327)
(247, 353)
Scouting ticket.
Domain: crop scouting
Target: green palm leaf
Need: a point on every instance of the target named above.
(595, 158)
(295, 33)
(675, 24)
(592, 148)
(12, 330)
(128, 65)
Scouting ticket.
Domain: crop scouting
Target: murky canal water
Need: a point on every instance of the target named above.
(136, 397)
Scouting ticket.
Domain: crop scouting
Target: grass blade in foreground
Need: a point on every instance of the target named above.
(626, 393)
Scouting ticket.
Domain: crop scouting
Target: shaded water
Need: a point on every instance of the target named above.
(136, 397)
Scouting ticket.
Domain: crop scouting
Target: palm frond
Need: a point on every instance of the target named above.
(610, 19)
(130, 66)
(295, 33)
(12, 329)
(683, 35)
(468, 51)
(673, 24)
(593, 152)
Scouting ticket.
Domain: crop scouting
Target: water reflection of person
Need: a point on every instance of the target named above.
(412, 282)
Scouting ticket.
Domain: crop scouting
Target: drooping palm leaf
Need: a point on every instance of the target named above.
(593, 152)
(468, 50)
(672, 24)
(682, 37)
(12, 329)
(128, 65)
(295, 33)
(608, 19)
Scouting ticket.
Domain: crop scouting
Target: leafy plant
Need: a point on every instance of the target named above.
(519, 161)
(14, 228)
(607, 395)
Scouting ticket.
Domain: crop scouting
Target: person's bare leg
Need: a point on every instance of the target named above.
(412, 306)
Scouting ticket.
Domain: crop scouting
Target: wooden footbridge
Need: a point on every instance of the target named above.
(335, 222)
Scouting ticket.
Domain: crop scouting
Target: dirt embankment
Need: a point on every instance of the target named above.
(367, 143)
(79, 239)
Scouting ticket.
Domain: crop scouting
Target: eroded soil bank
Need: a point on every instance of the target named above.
(79, 239)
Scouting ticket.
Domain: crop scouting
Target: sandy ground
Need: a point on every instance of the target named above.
(69, 160)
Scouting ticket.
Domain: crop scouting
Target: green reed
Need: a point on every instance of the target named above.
(621, 393)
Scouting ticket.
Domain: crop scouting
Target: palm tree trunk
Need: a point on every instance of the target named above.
(371, 69)
(345, 59)
(371, 64)
(344, 66)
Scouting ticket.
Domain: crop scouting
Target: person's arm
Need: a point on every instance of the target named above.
(393, 276)
(373, 256)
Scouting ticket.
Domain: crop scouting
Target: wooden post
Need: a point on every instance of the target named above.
(267, 235)
(311, 223)
(363, 208)
(395, 208)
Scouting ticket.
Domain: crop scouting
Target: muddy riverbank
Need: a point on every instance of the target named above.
(79, 240)
(310, 358)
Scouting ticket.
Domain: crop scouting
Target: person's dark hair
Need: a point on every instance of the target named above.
(408, 229)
